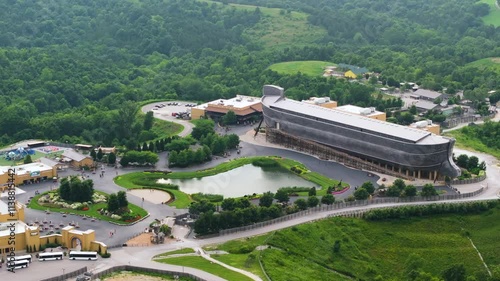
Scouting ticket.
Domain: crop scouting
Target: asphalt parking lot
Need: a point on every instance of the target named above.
(163, 110)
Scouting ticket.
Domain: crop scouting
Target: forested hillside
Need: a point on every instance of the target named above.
(77, 70)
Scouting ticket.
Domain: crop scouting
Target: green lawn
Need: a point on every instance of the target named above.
(471, 142)
(312, 68)
(493, 17)
(242, 253)
(492, 63)
(148, 180)
(176, 252)
(278, 29)
(166, 129)
(203, 264)
(92, 212)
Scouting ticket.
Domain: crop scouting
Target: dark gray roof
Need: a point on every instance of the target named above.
(48, 161)
(352, 120)
(428, 93)
(73, 155)
(427, 105)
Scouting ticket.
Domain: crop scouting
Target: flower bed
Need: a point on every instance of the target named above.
(341, 191)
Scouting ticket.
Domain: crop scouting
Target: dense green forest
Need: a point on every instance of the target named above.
(78, 70)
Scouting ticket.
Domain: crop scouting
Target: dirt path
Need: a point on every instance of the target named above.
(129, 276)
(152, 195)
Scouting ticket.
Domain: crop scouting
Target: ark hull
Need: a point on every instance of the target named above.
(432, 154)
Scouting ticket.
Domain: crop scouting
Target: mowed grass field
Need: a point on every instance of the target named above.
(370, 249)
(493, 63)
(493, 17)
(277, 30)
(311, 67)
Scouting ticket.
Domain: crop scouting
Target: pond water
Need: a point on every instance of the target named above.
(241, 181)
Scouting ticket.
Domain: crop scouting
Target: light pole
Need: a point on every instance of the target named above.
(63, 270)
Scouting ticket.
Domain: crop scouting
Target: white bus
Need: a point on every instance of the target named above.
(50, 256)
(11, 265)
(22, 258)
(76, 255)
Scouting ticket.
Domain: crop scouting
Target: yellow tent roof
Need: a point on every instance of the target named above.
(350, 74)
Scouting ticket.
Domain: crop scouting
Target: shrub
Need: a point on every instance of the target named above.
(106, 255)
(265, 162)
(243, 249)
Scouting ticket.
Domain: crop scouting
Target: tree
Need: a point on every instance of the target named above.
(230, 118)
(75, 190)
(328, 199)
(99, 154)
(399, 184)
(413, 110)
(172, 158)
(266, 200)
(93, 154)
(218, 146)
(228, 204)
(177, 145)
(113, 204)
(312, 191)
(112, 158)
(65, 189)
(410, 191)
(455, 272)
(282, 196)
(301, 204)
(27, 159)
(232, 141)
(472, 163)
(463, 160)
(368, 185)
(312, 201)
(429, 190)
(203, 127)
(122, 199)
(203, 206)
(361, 194)
(148, 121)
(393, 191)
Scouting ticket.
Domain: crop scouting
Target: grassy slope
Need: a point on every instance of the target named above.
(203, 264)
(493, 63)
(277, 31)
(312, 68)
(470, 142)
(245, 261)
(494, 16)
(372, 248)
(166, 129)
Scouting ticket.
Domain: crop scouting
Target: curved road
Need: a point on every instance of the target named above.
(141, 256)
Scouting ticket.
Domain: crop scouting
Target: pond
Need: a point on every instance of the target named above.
(245, 180)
